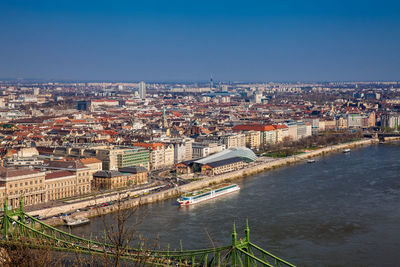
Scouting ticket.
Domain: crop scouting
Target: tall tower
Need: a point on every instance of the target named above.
(164, 119)
(142, 90)
(211, 83)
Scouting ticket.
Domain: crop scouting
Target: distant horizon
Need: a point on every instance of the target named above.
(33, 80)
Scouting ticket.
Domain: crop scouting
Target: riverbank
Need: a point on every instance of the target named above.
(174, 192)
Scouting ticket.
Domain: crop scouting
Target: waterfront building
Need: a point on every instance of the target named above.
(314, 122)
(222, 166)
(185, 167)
(242, 152)
(82, 176)
(391, 120)
(112, 179)
(292, 131)
(281, 132)
(341, 123)
(24, 182)
(354, 121)
(253, 139)
(267, 134)
(141, 175)
(61, 184)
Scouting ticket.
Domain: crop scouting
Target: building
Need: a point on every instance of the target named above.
(142, 90)
(292, 131)
(161, 156)
(95, 104)
(242, 152)
(82, 105)
(354, 120)
(61, 184)
(182, 148)
(185, 167)
(112, 179)
(25, 182)
(233, 140)
(222, 166)
(253, 139)
(112, 157)
(391, 120)
(341, 123)
(93, 164)
(82, 179)
(267, 134)
(201, 150)
(281, 132)
(28, 156)
(141, 175)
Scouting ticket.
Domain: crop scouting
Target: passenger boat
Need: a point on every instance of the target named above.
(76, 222)
(206, 194)
(347, 150)
(311, 161)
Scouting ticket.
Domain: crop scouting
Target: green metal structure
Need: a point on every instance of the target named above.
(19, 227)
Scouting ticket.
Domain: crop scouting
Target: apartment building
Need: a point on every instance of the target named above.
(201, 150)
(253, 139)
(161, 156)
(182, 148)
(233, 140)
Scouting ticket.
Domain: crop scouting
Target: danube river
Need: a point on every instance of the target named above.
(343, 210)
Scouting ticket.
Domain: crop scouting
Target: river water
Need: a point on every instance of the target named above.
(343, 210)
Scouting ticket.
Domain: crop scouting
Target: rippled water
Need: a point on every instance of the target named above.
(343, 210)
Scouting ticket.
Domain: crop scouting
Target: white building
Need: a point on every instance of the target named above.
(142, 90)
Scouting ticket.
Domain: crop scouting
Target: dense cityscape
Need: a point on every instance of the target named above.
(62, 140)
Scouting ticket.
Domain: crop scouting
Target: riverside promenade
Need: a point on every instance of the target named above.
(201, 183)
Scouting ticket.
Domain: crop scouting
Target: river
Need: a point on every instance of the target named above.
(343, 210)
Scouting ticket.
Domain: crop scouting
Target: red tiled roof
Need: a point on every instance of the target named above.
(149, 146)
(254, 127)
(12, 172)
(90, 161)
(58, 174)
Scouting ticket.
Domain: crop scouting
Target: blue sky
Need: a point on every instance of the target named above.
(190, 40)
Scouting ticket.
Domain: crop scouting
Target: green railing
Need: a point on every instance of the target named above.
(15, 228)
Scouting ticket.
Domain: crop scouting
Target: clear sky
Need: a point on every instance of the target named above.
(166, 40)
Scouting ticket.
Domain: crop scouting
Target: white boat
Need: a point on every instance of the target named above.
(347, 150)
(311, 161)
(76, 222)
(207, 193)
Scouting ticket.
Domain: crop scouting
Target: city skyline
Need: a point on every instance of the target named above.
(179, 41)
